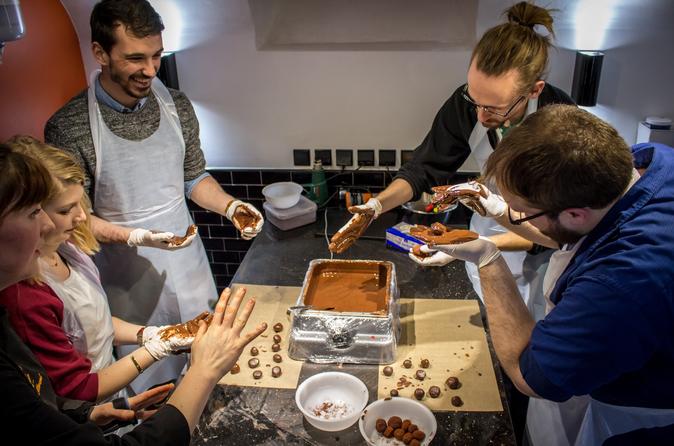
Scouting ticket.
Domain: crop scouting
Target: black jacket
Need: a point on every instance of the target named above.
(31, 412)
(445, 148)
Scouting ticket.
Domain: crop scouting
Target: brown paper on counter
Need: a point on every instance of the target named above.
(450, 334)
(271, 303)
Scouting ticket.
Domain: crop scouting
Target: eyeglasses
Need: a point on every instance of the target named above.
(520, 220)
(487, 108)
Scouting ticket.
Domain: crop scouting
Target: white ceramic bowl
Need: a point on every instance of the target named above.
(340, 389)
(282, 195)
(405, 408)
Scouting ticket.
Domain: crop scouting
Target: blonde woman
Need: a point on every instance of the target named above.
(67, 321)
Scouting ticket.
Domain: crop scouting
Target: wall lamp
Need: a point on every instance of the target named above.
(586, 76)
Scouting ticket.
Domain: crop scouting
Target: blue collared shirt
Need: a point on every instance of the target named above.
(104, 97)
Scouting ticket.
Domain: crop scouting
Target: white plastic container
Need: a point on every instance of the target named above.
(303, 213)
(340, 389)
(282, 195)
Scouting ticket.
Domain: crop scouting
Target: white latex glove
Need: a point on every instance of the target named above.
(438, 258)
(490, 204)
(363, 216)
(239, 207)
(372, 205)
(481, 252)
(159, 348)
(161, 240)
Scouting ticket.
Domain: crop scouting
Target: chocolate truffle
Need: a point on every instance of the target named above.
(253, 363)
(278, 327)
(434, 391)
(388, 370)
(457, 401)
(419, 393)
(406, 424)
(425, 363)
(277, 339)
(276, 372)
(380, 425)
(236, 369)
(407, 364)
(395, 422)
(418, 435)
(398, 434)
(414, 442)
(277, 358)
(394, 392)
(275, 347)
(407, 438)
(254, 351)
(257, 374)
(453, 382)
(388, 432)
(420, 375)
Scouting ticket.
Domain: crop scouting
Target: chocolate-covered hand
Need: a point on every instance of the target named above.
(245, 218)
(481, 252)
(478, 198)
(162, 341)
(363, 216)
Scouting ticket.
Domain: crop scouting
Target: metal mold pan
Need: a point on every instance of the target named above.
(347, 312)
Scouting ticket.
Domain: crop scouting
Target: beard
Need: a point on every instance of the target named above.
(127, 83)
(560, 234)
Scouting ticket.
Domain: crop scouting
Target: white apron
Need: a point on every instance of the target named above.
(550, 423)
(526, 269)
(140, 184)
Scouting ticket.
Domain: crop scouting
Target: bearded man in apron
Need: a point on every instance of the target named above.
(601, 359)
(138, 143)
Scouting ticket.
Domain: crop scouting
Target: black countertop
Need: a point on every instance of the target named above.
(259, 416)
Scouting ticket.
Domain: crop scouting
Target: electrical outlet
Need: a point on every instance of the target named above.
(301, 157)
(406, 156)
(366, 157)
(344, 157)
(325, 155)
(387, 158)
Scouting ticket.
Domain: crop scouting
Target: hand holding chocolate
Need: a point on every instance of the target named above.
(178, 241)
(163, 341)
(474, 196)
(439, 234)
(245, 218)
(363, 216)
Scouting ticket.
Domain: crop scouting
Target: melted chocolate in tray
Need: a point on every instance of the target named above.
(359, 287)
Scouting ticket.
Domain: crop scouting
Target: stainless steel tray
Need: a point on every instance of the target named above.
(347, 312)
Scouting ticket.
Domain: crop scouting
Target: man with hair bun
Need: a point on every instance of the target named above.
(505, 83)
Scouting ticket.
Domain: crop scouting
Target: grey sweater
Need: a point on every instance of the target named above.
(68, 129)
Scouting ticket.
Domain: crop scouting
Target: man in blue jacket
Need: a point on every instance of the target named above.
(566, 175)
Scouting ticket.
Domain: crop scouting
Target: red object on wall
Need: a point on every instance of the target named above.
(41, 71)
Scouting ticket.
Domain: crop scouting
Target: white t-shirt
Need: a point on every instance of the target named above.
(86, 316)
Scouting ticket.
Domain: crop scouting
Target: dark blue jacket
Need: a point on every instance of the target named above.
(611, 334)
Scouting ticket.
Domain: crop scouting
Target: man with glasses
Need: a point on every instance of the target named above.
(606, 344)
(505, 84)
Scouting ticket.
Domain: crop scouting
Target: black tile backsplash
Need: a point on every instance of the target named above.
(224, 246)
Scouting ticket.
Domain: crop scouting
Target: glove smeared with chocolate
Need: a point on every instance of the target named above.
(353, 229)
(467, 193)
(177, 240)
(176, 338)
(439, 234)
